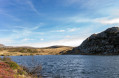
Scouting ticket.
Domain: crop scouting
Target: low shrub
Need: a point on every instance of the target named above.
(20, 72)
(6, 71)
(5, 58)
(12, 65)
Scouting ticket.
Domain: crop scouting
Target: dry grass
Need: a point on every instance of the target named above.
(54, 51)
(33, 51)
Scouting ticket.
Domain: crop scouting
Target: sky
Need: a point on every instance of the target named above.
(43, 23)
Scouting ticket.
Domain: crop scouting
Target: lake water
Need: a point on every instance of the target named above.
(73, 66)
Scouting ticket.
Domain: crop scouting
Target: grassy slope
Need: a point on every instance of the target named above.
(35, 51)
(10, 69)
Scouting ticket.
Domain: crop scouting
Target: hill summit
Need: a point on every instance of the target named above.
(1, 45)
(104, 43)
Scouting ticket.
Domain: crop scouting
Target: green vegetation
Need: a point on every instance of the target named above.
(23, 50)
(5, 58)
(13, 65)
(10, 69)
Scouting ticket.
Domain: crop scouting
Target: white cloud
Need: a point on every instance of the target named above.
(20, 35)
(22, 32)
(6, 41)
(67, 30)
(59, 31)
(75, 19)
(109, 21)
(69, 40)
(65, 42)
(33, 7)
(101, 20)
(67, 36)
(41, 39)
(73, 29)
(26, 39)
(20, 27)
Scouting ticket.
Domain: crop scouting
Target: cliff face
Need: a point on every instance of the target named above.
(105, 43)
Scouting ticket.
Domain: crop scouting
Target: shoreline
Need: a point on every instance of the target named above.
(11, 69)
(63, 54)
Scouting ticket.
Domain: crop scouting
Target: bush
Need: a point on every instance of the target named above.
(6, 71)
(12, 65)
(5, 58)
(20, 72)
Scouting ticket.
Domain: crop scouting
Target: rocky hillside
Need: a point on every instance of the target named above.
(104, 43)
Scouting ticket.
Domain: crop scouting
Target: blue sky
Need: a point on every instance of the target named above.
(42, 23)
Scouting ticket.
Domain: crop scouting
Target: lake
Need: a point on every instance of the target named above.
(73, 66)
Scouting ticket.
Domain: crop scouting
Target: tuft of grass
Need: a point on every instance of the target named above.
(12, 64)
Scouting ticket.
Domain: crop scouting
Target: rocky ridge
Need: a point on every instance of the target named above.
(104, 43)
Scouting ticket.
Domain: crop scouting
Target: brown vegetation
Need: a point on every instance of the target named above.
(22, 51)
(10, 69)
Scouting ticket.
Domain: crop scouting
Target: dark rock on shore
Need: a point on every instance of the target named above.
(104, 43)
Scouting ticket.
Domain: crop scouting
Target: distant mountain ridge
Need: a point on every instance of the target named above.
(57, 46)
(1, 45)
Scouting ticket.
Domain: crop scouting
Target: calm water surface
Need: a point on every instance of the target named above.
(73, 66)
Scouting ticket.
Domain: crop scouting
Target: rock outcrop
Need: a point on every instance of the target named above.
(104, 43)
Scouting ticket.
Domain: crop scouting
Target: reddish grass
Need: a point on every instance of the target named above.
(6, 71)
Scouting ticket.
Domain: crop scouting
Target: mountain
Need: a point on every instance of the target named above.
(58, 46)
(1, 45)
(104, 43)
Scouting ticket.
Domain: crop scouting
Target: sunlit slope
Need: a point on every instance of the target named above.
(16, 51)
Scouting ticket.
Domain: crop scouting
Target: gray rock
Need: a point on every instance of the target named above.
(104, 43)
